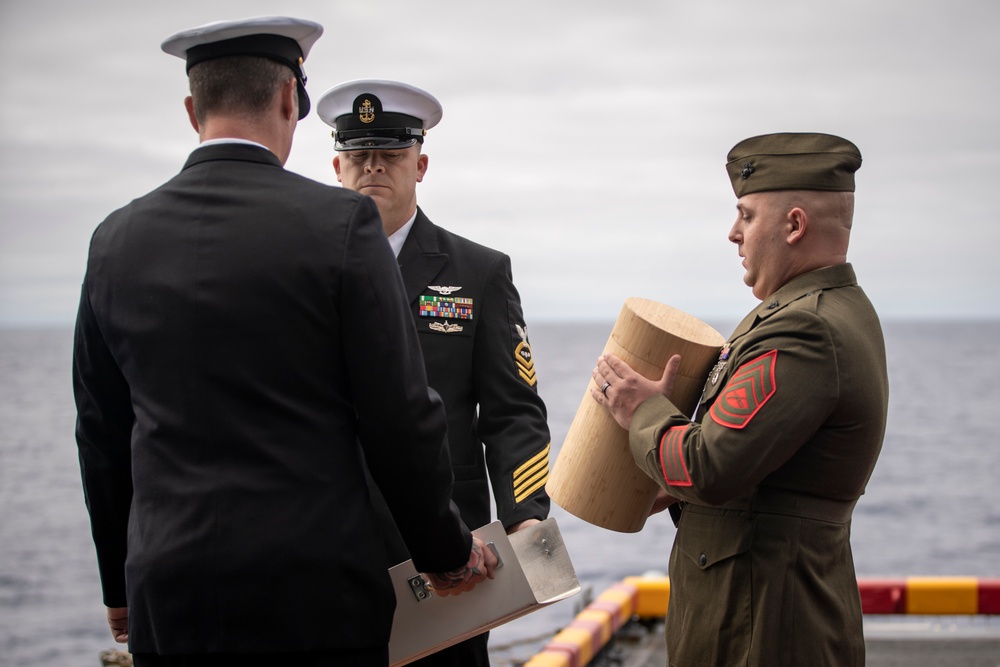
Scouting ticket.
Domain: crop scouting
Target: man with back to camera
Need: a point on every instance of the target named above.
(468, 315)
(241, 337)
(787, 432)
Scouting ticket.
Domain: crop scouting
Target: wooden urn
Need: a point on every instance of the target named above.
(594, 476)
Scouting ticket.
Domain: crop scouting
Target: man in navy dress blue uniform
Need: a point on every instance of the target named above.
(468, 316)
(242, 346)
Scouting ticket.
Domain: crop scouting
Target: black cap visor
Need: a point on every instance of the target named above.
(377, 138)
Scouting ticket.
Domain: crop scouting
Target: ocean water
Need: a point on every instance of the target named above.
(932, 506)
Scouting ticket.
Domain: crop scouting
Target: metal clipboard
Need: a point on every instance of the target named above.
(536, 571)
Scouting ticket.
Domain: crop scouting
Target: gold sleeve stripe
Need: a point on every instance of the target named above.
(530, 463)
(531, 489)
(531, 475)
(530, 482)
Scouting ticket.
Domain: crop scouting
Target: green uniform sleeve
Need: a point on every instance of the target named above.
(778, 387)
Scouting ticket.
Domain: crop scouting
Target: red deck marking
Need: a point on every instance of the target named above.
(989, 596)
(883, 596)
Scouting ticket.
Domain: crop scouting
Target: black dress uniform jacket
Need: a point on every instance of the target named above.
(786, 438)
(475, 346)
(242, 341)
(481, 364)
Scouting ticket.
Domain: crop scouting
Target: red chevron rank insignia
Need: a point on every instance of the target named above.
(748, 390)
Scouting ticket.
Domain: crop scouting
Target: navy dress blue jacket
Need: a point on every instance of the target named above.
(242, 345)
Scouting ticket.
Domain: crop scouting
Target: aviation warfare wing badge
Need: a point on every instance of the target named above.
(442, 290)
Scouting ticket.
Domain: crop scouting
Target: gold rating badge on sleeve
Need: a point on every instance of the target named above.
(522, 356)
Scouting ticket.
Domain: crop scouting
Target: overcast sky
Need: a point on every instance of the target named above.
(586, 139)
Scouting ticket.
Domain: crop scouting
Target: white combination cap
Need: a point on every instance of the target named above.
(280, 38)
(374, 113)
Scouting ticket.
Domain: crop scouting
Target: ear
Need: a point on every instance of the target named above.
(290, 100)
(189, 105)
(798, 223)
(336, 167)
(421, 166)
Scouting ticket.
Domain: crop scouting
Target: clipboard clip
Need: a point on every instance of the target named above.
(421, 587)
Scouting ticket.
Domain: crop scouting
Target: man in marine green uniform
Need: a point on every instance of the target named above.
(786, 435)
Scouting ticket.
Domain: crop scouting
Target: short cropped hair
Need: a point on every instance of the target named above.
(240, 85)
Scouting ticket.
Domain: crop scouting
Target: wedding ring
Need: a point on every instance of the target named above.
(604, 389)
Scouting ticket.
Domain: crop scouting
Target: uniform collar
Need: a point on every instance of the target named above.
(232, 151)
(230, 140)
(421, 239)
(398, 237)
(420, 259)
(840, 275)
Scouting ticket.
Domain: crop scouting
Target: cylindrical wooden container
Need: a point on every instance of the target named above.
(594, 476)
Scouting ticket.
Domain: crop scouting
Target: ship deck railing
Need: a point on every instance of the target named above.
(623, 624)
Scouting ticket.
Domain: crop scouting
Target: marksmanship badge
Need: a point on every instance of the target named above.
(720, 365)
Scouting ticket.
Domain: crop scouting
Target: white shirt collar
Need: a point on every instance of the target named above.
(398, 237)
(232, 140)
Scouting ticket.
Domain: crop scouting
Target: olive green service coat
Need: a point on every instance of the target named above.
(785, 440)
